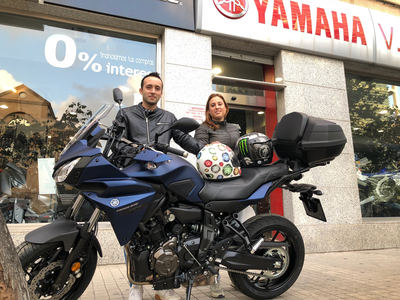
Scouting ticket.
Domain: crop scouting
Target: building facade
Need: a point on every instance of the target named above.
(339, 61)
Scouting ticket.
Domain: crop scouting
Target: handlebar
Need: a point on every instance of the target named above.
(166, 148)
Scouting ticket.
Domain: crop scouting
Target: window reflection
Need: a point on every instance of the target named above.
(375, 122)
(47, 91)
(238, 69)
(249, 120)
(246, 105)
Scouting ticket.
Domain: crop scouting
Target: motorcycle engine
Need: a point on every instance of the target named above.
(164, 260)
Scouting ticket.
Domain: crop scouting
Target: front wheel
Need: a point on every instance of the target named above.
(42, 263)
(269, 284)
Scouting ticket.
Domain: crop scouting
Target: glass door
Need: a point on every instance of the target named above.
(249, 90)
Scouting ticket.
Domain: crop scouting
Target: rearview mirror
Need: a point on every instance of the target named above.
(185, 125)
(117, 95)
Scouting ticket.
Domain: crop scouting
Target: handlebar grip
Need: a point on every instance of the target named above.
(126, 141)
(166, 148)
(176, 151)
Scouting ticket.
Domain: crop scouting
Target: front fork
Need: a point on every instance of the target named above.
(84, 238)
(72, 211)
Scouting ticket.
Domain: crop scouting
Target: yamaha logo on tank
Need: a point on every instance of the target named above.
(114, 202)
(233, 9)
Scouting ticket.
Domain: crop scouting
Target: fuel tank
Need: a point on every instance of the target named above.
(176, 174)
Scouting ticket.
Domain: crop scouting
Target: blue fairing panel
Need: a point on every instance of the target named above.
(101, 169)
(153, 156)
(79, 149)
(259, 194)
(174, 170)
(124, 212)
(123, 199)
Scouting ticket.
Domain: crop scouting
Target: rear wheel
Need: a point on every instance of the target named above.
(42, 263)
(268, 284)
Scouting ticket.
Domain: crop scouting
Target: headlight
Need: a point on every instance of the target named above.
(62, 173)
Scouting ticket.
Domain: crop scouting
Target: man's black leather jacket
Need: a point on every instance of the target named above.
(142, 125)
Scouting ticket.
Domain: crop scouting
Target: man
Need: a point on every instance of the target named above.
(142, 122)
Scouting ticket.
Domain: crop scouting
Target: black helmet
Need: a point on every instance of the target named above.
(254, 149)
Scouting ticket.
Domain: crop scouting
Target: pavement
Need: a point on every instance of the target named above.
(336, 275)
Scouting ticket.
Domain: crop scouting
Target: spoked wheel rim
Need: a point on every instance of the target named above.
(43, 263)
(281, 240)
(274, 279)
(41, 285)
(41, 273)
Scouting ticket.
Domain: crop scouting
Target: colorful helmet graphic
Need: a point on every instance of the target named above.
(217, 161)
(254, 149)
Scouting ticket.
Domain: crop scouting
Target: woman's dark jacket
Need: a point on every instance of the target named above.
(227, 133)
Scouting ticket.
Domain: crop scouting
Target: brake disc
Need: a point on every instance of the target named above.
(43, 273)
(284, 256)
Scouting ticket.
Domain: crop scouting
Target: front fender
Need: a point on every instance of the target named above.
(61, 230)
(96, 244)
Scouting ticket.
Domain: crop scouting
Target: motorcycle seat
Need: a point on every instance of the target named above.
(242, 187)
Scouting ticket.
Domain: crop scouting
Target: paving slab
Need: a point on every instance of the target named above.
(364, 275)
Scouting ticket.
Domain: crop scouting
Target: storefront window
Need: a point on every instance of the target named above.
(53, 77)
(247, 105)
(375, 122)
(237, 69)
(249, 119)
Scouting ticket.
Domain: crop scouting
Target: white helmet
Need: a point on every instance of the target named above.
(218, 162)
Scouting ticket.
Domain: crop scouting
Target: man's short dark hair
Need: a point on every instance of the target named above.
(152, 74)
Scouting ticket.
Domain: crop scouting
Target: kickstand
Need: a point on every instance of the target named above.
(189, 288)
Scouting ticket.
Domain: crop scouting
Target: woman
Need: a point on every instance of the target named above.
(215, 128)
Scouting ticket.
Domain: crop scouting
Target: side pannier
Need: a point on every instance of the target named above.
(309, 141)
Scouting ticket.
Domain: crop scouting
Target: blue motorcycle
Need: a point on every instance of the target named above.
(174, 225)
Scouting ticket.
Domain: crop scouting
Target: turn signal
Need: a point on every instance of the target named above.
(75, 266)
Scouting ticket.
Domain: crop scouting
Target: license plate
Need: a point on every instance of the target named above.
(314, 208)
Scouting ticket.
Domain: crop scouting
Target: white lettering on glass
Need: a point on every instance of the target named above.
(50, 51)
(96, 62)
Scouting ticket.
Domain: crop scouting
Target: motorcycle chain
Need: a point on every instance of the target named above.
(244, 273)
